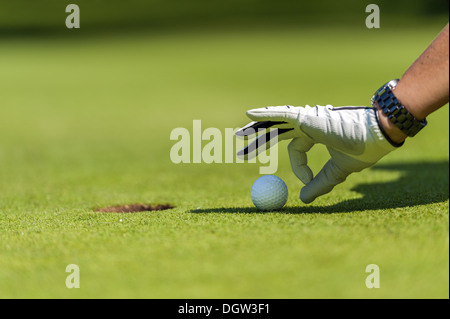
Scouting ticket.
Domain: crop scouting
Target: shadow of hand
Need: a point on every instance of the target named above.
(420, 184)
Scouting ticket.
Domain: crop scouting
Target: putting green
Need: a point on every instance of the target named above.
(86, 123)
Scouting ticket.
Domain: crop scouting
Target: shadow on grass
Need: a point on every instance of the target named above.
(421, 183)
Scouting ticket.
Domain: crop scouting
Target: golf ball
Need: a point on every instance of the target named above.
(269, 192)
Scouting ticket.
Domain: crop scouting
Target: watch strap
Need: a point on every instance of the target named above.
(395, 111)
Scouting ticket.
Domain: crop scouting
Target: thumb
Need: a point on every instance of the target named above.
(328, 177)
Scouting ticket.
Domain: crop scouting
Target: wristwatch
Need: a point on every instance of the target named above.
(395, 111)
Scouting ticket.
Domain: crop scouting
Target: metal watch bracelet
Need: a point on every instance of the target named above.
(395, 111)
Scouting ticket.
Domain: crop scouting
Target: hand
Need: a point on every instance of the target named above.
(352, 136)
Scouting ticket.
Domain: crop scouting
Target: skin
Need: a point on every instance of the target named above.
(424, 87)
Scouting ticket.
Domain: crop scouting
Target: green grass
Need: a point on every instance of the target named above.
(86, 124)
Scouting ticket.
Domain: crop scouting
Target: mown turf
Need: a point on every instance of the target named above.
(86, 124)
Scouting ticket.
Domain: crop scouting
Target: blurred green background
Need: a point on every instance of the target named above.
(47, 16)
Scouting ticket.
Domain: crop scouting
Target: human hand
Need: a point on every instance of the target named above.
(352, 136)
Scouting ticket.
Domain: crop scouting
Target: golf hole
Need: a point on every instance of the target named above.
(134, 208)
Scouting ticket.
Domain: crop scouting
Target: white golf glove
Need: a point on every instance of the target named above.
(352, 136)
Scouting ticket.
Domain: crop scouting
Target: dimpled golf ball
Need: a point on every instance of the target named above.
(269, 192)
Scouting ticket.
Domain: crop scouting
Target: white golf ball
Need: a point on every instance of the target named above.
(269, 192)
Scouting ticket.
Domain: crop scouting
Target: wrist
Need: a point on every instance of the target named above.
(404, 93)
(395, 115)
(388, 128)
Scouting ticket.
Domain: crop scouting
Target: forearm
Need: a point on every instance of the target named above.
(425, 85)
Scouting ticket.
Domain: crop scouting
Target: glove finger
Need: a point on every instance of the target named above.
(297, 149)
(328, 177)
(273, 113)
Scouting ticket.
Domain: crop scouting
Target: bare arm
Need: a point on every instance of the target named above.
(425, 85)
